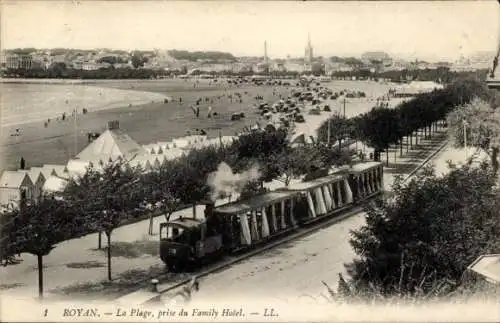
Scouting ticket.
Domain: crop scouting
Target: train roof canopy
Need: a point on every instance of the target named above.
(361, 167)
(302, 186)
(184, 222)
(254, 202)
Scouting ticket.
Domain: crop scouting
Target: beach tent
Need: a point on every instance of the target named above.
(37, 178)
(12, 185)
(46, 172)
(80, 167)
(488, 267)
(155, 161)
(298, 139)
(60, 170)
(112, 144)
(165, 145)
(173, 153)
(141, 162)
(55, 184)
(182, 143)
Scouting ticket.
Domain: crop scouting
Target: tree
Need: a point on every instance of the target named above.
(482, 126)
(190, 174)
(38, 228)
(159, 192)
(292, 163)
(338, 130)
(431, 231)
(137, 60)
(110, 197)
(379, 128)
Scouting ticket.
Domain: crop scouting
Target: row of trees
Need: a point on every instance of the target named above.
(442, 74)
(213, 56)
(418, 244)
(61, 71)
(102, 200)
(382, 127)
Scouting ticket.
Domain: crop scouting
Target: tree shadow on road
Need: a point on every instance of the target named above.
(134, 249)
(10, 286)
(124, 283)
(85, 265)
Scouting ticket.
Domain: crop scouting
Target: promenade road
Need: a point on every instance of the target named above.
(295, 270)
(76, 262)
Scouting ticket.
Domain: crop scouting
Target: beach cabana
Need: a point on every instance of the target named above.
(55, 185)
(15, 186)
(173, 153)
(141, 162)
(155, 162)
(80, 167)
(164, 145)
(182, 143)
(60, 170)
(112, 144)
(487, 267)
(37, 178)
(45, 171)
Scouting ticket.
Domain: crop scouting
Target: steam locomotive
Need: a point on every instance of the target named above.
(233, 227)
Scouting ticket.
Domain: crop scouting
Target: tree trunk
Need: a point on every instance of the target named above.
(416, 137)
(108, 236)
(401, 147)
(40, 276)
(167, 215)
(407, 143)
(99, 242)
(411, 140)
(150, 230)
(494, 160)
(425, 132)
(387, 157)
(194, 210)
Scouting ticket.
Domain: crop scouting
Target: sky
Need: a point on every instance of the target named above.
(425, 30)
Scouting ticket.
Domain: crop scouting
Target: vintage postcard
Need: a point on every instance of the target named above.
(249, 161)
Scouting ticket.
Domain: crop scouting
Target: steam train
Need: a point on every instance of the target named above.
(233, 227)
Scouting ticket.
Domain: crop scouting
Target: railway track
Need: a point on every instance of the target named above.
(169, 282)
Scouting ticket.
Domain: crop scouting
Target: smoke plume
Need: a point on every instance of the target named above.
(225, 182)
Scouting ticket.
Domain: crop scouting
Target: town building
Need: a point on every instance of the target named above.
(13, 61)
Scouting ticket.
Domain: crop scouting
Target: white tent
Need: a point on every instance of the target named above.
(55, 184)
(112, 144)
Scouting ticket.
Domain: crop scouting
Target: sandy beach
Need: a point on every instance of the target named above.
(157, 121)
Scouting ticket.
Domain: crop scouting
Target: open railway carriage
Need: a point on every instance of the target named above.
(257, 219)
(322, 196)
(242, 224)
(366, 179)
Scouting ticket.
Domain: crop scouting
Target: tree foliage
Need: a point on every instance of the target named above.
(432, 230)
(37, 228)
(482, 127)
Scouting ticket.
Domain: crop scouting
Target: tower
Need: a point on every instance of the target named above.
(265, 52)
(309, 50)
